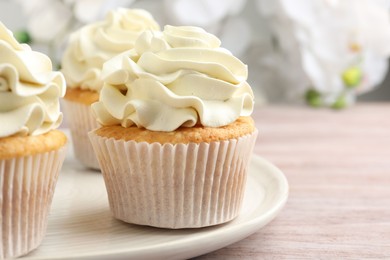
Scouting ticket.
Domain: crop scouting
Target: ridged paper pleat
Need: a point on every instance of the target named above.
(174, 186)
(26, 191)
(81, 121)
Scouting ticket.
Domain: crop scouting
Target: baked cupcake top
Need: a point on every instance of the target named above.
(93, 44)
(29, 89)
(178, 77)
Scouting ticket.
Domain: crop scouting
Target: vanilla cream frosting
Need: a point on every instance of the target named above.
(94, 44)
(178, 77)
(29, 89)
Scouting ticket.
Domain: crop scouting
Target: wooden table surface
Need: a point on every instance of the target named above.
(338, 167)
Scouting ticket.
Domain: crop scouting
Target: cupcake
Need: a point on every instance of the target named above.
(31, 150)
(176, 135)
(88, 49)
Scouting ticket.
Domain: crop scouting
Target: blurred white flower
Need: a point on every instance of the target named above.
(87, 11)
(202, 13)
(341, 46)
(217, 17)
(48, 19)
(228, 35)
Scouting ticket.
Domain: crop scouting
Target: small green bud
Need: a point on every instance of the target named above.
(313, 98)
(352, 77)
(22, 36)
(340, 102)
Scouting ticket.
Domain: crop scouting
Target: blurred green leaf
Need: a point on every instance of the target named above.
(22, 36)
(352, 77)
(313, 98)
(340, 102)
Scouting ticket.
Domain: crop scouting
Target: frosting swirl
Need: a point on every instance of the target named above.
(178, 77)
(29, 89)
(94, 44)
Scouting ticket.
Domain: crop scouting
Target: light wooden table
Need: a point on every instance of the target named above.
(338, 167)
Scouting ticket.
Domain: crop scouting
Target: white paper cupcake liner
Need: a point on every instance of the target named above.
(27, 185)
(81, 121)
(174, 186)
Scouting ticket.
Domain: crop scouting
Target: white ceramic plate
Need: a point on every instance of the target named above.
(81, 227)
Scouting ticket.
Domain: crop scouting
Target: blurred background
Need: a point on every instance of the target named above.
(325, 53)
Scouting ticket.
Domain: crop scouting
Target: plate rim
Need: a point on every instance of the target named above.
(252, 224)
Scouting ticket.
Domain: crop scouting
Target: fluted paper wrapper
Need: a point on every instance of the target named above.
(174, 186)
(27, 186)
(81, 121)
